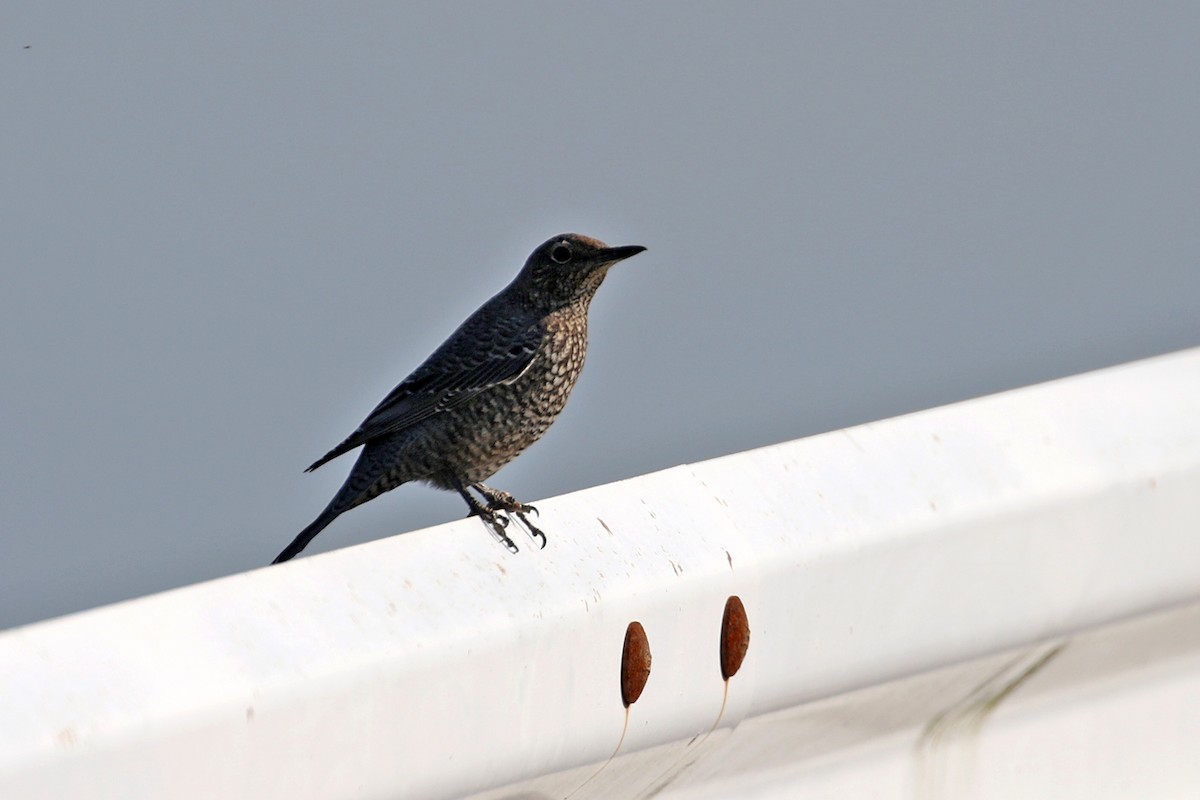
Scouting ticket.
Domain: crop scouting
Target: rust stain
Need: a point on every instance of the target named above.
(635, 663)
(735, 637)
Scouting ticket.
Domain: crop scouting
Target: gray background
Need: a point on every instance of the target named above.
(227, 231)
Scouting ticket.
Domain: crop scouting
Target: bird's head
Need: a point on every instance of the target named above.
(569, 268)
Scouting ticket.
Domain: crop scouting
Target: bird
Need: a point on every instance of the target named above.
(485, 395)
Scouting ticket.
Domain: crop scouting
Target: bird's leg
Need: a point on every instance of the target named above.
(495, 523)
(503, 501)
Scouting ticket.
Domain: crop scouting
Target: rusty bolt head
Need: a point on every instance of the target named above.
(635, 663)
(735, 637)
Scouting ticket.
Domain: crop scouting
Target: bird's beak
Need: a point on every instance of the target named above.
(611, 255)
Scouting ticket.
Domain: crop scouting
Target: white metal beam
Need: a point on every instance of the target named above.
(435, 664)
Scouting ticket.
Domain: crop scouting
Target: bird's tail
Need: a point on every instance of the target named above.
(305, 536)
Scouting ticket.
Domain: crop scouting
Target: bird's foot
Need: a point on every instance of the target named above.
(498, 500)
(495, 524)
(534, 531)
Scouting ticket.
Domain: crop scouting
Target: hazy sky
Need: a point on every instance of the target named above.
(228, 229)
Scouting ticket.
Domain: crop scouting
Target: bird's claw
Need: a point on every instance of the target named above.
(537, 535)
(534, 531)
(497, 525)
(513, 507)
(501, 509)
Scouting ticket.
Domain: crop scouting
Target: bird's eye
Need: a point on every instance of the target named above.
(561, 253)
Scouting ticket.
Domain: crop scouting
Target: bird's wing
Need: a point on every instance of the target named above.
(464, 366)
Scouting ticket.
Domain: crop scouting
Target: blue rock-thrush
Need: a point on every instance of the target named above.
(491, 390)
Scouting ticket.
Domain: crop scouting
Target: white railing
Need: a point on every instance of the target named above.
(998, 598)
